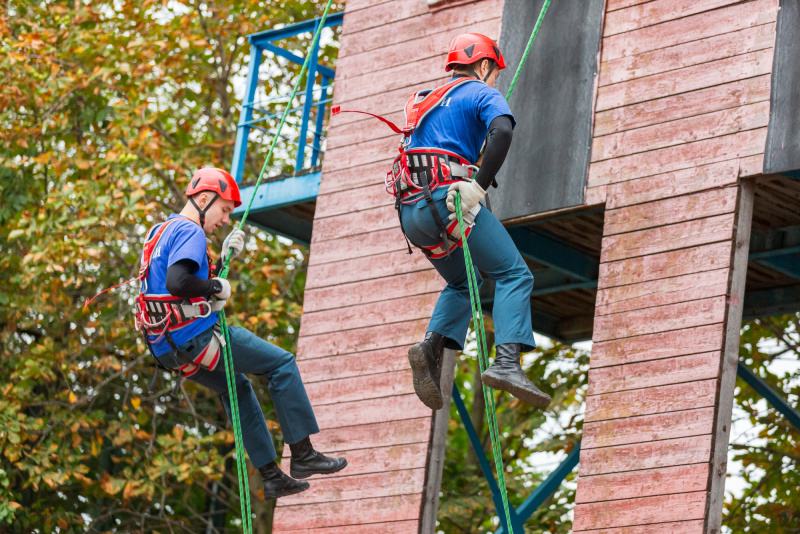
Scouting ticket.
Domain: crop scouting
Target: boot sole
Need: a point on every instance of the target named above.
(286, 493)
(424, 386)
(540, 400)
(305, 474)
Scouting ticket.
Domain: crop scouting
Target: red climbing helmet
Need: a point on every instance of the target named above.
(217, 181)
(471, 47)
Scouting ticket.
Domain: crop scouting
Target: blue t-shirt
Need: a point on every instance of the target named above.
(181, 240)
(461, 120)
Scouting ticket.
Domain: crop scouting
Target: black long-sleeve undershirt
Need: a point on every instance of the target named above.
(501, 131)
(182, 282)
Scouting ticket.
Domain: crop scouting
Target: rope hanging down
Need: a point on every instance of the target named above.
(477, 311)
(241, 466)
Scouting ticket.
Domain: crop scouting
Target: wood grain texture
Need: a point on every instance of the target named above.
(364, 268)
(352, 179)
(394, 527)
(655, 346)
(678, 157)
(351, 488)
(719, 97)
(727, 121)
(669, 237)
(688, 54)
(363, 511)
(649, 483)
(373, 460)
(672, 184)
(372, 314)
(665, 265)
(662, 292)
(380, 390)
(380, 14)
(361, 340)
(684, 80)
(653, 373)
(352, 365)
(358, 246)
(656, 12)
(648, 428)
(647, 455)
(669, 211)
(643, 511)
(363, 292)
(360, 199)
(692, 28)
(374, 435)
(653, 400)
(682, 527)
(659, 319)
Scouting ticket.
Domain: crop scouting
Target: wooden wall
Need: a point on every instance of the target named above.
(366, 300)
(681, 116)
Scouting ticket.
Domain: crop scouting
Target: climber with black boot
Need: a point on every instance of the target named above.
(177, 311)
(445, 132)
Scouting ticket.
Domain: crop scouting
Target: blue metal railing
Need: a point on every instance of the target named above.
(315, 97)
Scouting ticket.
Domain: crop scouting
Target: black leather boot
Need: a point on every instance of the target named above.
(278, 484)
(506, 374)
(425, 359)
(306, 461)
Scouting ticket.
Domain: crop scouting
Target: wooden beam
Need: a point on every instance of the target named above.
(730, 357)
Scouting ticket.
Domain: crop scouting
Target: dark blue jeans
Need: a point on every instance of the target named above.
(253, 355)
(493, 252)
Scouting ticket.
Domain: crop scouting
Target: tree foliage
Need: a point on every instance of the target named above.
(107, 108)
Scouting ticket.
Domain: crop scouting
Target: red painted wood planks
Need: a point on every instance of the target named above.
(677, 479)
(358, 199)
(642, 511)
(362, 292)
(672, 184)
(653, 400)
(669, 211)
(358, 246)
(653, 373)
(682, 527)
(656, 12)
(648, 428)
(665, 265)
(395, 527)
(351, 488)
(352, 365)
(685, 80)
(692, 28)
(647, 455)
(380, 389)
(659, 319)
(374, 460)
(374, 435)
(361, 340)
(381, 14)
(365, 268)
(730, 95)
(363, 511)
(372, 314)
(368, 410)
(681, 131)
(679, 157)
(688, 54)
(665, 238)
(655, 346)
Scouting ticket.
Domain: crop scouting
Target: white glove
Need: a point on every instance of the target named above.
(471, 195)
(225, 292)
(234, 242)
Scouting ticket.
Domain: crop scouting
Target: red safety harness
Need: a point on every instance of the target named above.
(161, 315)
(416, 173)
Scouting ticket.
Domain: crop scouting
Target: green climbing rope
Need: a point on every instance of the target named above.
(477, 311)
(241, 466)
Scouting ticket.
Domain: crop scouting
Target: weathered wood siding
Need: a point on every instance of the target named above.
(681, 115)
(366, 300)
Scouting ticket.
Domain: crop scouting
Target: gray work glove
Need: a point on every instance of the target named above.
(234, 242)
(471, 196)
(224, 292)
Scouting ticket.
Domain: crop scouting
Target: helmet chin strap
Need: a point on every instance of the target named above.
(491, 70)
(202, 212)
